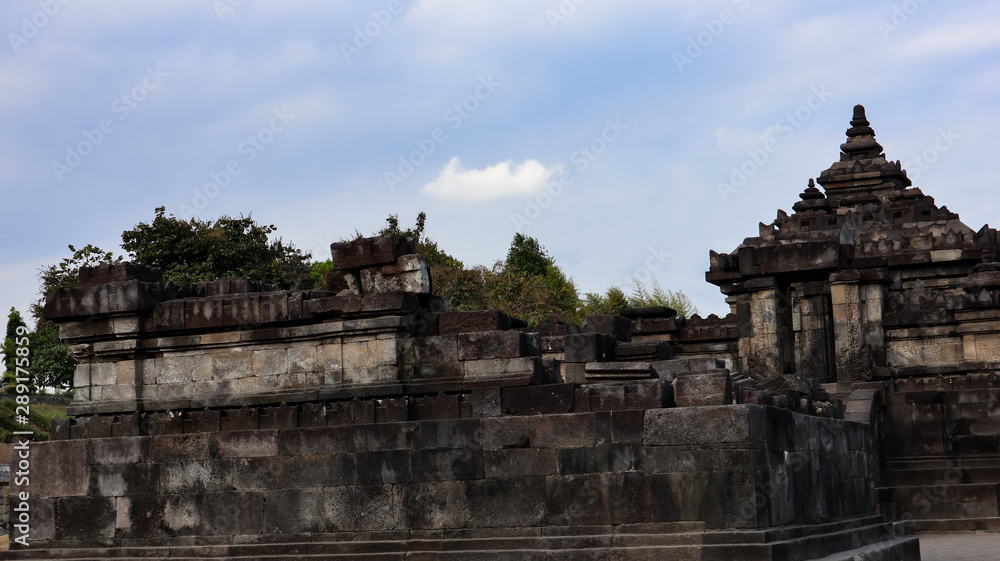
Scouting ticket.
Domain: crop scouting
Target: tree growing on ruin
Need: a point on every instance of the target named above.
(189, 251)
(615, 300)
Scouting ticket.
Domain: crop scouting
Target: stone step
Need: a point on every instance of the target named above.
(946, 493)
(943, 462)
(793, 543)
(898, 549)
(955, 525)
(957, 511)
(933, 476)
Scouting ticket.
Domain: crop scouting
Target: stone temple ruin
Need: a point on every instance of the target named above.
(850, 399)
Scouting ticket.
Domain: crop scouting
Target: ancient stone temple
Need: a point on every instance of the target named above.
(871, 287)
(850, 398)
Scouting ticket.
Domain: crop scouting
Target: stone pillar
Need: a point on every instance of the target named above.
(859, 341)
(765, 326)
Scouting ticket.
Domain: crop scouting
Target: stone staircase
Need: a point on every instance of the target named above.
(942, 493)
(877, 539)
(942, 466)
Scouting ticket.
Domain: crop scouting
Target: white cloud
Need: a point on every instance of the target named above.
(497, 181)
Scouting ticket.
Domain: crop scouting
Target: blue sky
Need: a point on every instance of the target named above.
(608, 130)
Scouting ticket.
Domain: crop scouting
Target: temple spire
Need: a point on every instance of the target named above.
(860, 138)
(862, 168)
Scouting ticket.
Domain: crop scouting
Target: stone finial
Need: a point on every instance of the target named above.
(860, 138)
(860, 123)
(811, 191)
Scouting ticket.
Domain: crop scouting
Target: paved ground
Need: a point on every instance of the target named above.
(980, 546)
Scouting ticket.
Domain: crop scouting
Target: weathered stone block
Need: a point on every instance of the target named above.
(704, 425)
(180, 447)
(228, 365)
(430, 349)
(446, 464)
(360, 508)
(703, 388)
(294, 472)
(529, 367)
(243, 444)
(196, 476)
(85, 518)
(596, 459)
(495, 344)
(520, 462)
(395, 436)
(383, 467)
(434, 505)
(512, 503)
(618, 370)
(587, 347)
(368, 252)
(409, 274)
(113, 451)
(537, 400)
(486, 403)
(436, 407)
(376, 352)
(608, 324)
(320, 440)
(58, 469)
(124, 479)
(565, 431)
(458, 433)
(371, 374)
(653, 394)
(607, 397)
(294, 511)
(505, 432)
(270, 362)
(330, 358)
(465, 322)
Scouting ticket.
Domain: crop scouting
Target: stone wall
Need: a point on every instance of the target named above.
(727, 467)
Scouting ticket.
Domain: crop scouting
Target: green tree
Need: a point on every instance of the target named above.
(526, 256)
(643, 298)
(530, 286)
(14, 324)
(426, 247)
(611, 302)
(615, 300)
(195, 250)
(51, 365)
